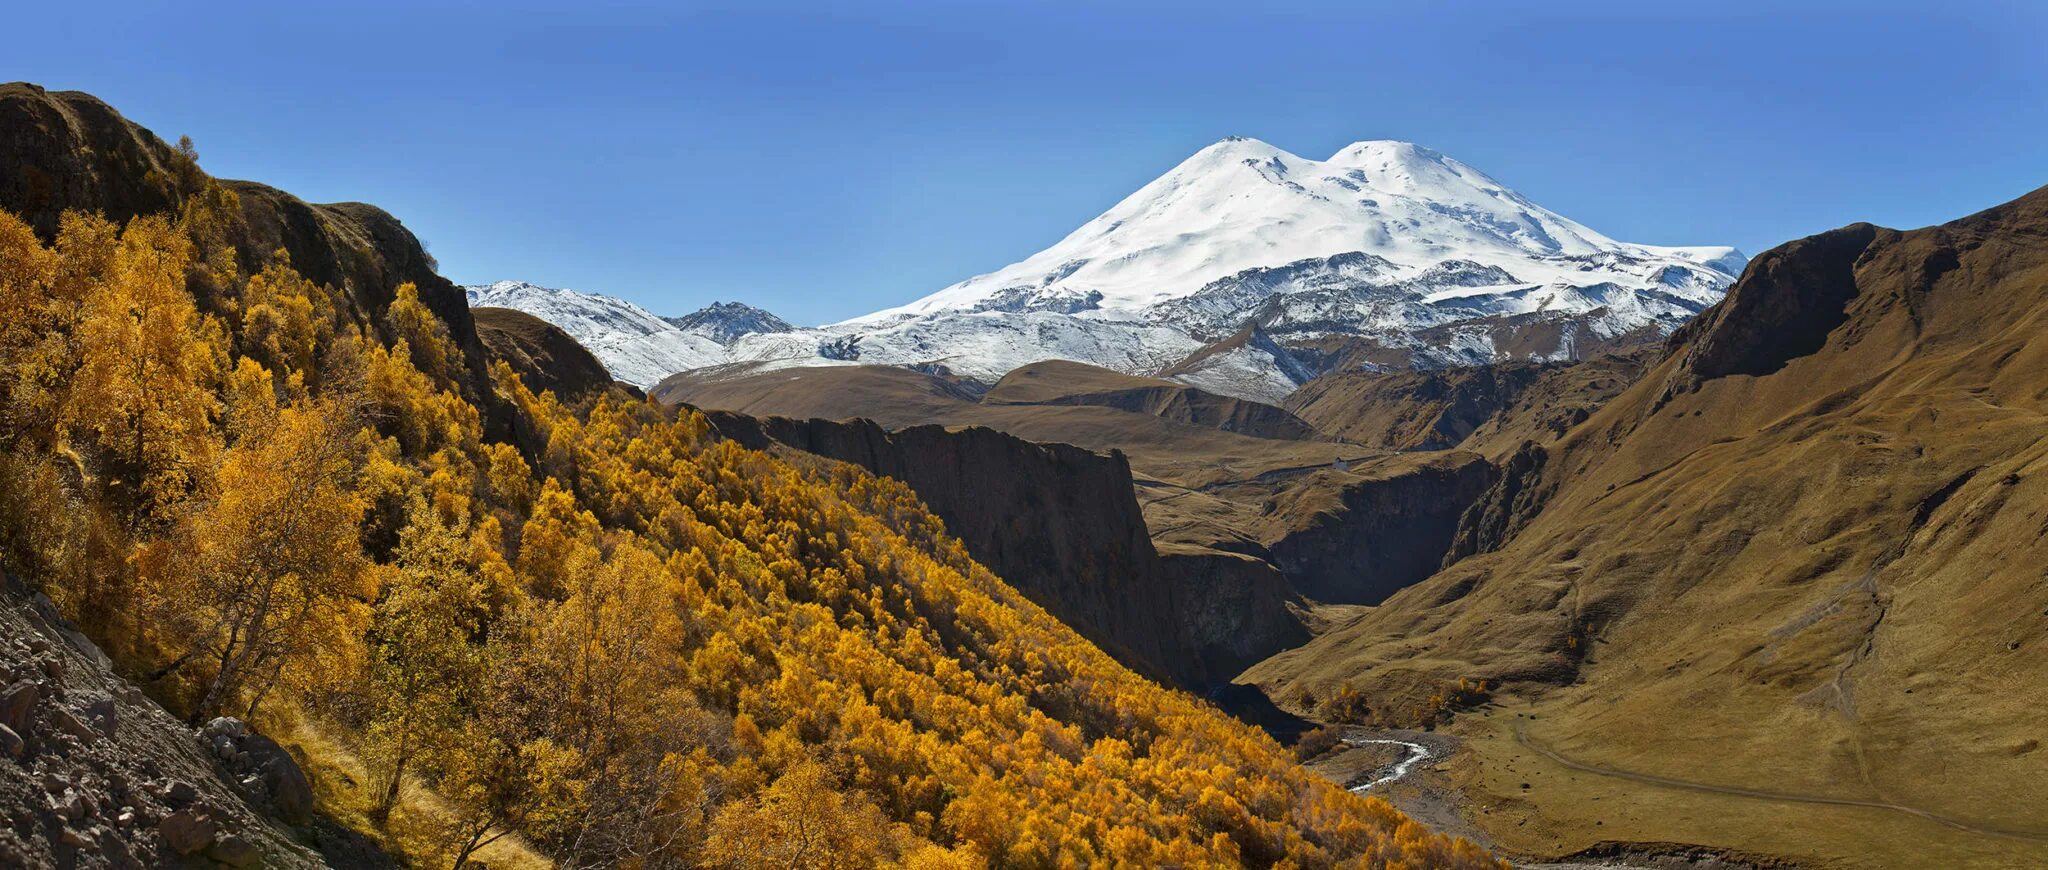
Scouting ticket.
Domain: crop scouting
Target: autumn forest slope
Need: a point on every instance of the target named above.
(259, 454)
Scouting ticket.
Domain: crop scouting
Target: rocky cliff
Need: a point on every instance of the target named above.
(1062, 525)
(1361, 540)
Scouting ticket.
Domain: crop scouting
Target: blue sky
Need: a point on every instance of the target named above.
(824, 160)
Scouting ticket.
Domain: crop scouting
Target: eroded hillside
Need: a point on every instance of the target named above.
(1802, 555)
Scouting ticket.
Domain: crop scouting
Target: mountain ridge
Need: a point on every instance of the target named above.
(1408, 251)
(1800, 552)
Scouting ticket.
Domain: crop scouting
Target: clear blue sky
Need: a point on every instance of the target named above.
(823, 160)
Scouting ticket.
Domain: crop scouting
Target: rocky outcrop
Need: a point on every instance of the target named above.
(264, 772)
(1384, 533)
(1517, 494)
(1062, 525)
(1789, 300)
(94, 774)
(1235, 608)
(68, 150)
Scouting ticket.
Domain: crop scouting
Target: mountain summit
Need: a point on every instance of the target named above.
(1243, 204)
(1386, 255)
(727, 322)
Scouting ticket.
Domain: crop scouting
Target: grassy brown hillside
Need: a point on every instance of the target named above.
(1786, 593)
(1485, 407)
(597, 635)
(1060, 382)
(541, 354)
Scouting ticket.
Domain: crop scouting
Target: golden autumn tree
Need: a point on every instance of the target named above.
(286, 319)
(433, 349)
(44, 373)
(557, 542)
(502, 768)
(803, 820)
(252, 577)
(425, 660)
(617, 691)
(147, 363)
(27, 271)
(31, 362)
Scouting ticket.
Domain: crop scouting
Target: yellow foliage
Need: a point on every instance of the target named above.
(803, 821)
(146, 371)
(620, 639)
(255, 572)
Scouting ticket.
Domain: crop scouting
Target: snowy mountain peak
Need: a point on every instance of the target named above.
(638, 347)
(1223, 266)
(727, 322)
(1242, 204)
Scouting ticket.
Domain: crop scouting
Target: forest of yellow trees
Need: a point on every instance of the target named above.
(609, 636)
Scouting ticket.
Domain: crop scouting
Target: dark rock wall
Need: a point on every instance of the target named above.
(1063, 526)
(1390, 532)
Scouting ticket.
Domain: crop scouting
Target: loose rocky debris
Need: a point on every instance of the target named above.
(96, 775)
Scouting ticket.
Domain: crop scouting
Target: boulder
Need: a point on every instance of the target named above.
(228, 725)
(187, 831)
(179, 793)
(291, 793)
(70, 723)
(11, 743)
(235, 852)
(18, 703)
(266, 771)
(100, 713)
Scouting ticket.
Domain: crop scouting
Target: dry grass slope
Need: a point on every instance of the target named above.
(1806, 553)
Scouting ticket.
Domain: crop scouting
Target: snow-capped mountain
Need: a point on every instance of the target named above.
(727, 322)
(1242, 204)
(1222, 273)
(638, 347)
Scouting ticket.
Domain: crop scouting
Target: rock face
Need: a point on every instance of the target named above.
(727, 322)
(1235, 608)
(1062, 525)
(262, 770)
(1791, 299)
(1384, 533)
(1516, 495)
(98, 776)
